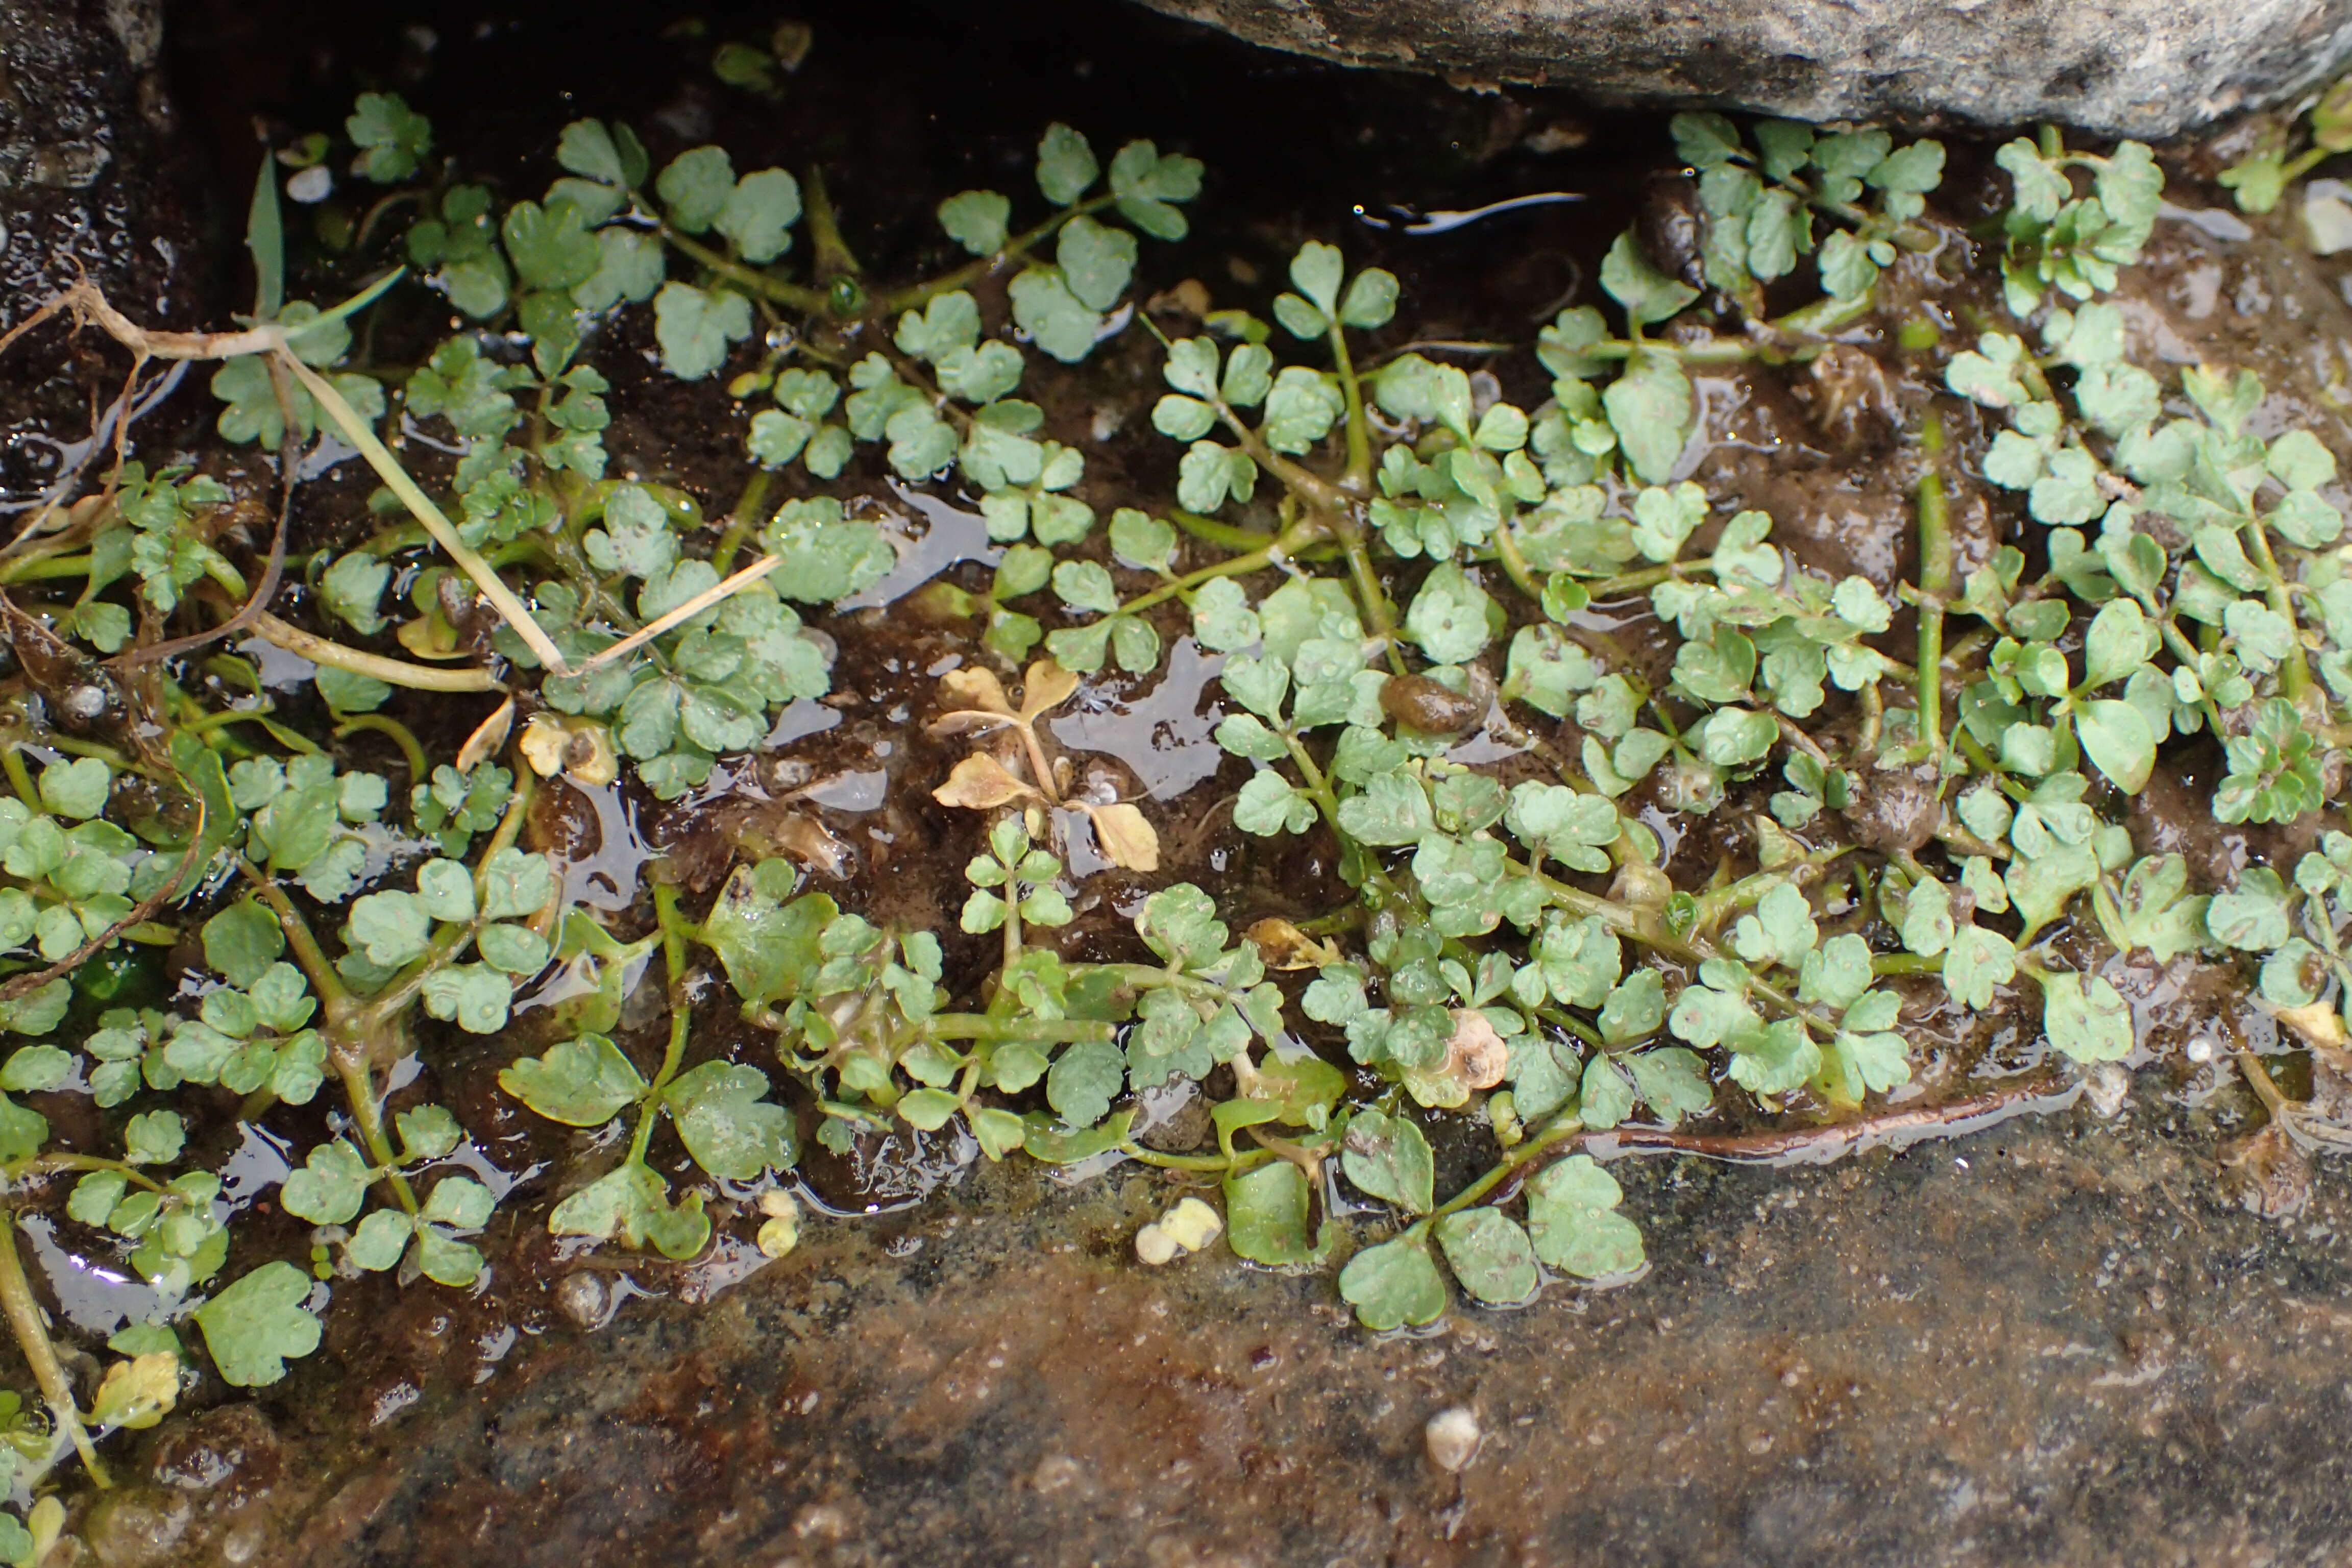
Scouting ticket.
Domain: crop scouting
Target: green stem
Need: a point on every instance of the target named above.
(24, 1317)
(2296, 673)
(45, 568)
(1558, 1131)
(20, 778)
(674, 929)
(1514, 564)
(393, 671)
(1935, 586)
(419, 769)
(367, 1115)
(916, 297)
(834, 257)
(798, 296)
(1223, 535)
(324, 977)
(1358, 476)
(980, 1027)
(56, 1164)
(1248, 1160)
(743, 520)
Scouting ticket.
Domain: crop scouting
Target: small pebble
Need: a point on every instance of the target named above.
(2106, 1088)
(1191, 1225)
(1452, 1435)
(1155, 1245)
(582, 1299)
(780, 1231)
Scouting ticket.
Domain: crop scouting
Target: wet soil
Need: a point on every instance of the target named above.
(2059, 1342)
(2064, 1341)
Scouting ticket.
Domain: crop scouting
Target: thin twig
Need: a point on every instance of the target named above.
(420, 506)
(273, 571)
(686, 612)
(395, 672)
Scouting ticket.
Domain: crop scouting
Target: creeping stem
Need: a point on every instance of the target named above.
(1934, 585)
(25, 1318)
(675, 929)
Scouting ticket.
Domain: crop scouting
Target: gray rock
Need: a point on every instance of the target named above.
(2120, 68)
(95, 181)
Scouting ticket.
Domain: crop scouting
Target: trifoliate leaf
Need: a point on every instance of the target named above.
(695, 326)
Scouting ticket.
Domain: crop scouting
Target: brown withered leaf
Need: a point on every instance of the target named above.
(813, 843)
(1283, 945)
(981, 783)
(974, 688)
(1125, 836)
(488, 737)
(1044, 687)
(1476, 1056)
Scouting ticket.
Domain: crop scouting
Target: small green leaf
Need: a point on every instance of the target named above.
(2086, 1018)
(243, 941)
(581, 1083)
(1387, 1157)
(1452, 617)
(1066, 165)
(1266, 1215)
(976, 220)
(1083, 1078)
(1392, 1285)
(1490, 1255)
(258, 1323)
(694, 327)
(1571, 1220)
(330, 1187)
(726, 1122)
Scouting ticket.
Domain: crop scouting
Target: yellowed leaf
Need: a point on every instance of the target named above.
(1046, 686)
(975, 687)
(964, 721)
(1476, 1055)
(428, 637)
(814, 844)
(981, 783)
(488, 737)
(1283, 946)
(543, 745)
(140, 1392)
(1125, 836)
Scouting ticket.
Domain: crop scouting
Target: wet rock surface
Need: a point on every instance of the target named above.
(2060, 1341)
(93, 181)
(2125, 67)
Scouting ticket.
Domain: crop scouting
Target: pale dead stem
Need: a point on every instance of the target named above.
(87, 304)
